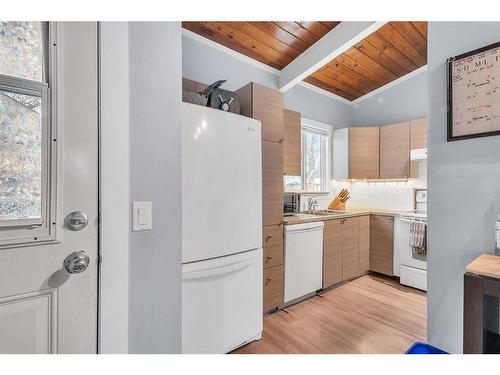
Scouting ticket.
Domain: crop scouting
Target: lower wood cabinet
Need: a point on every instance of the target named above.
(332, 252)
(381, 244)
(273, 245)
(364, 244)
(272, 240)
(350, 247)
(273, 287)
(346, 249)
(355, 246)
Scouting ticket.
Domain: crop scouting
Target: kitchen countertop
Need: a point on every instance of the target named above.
(350, 212)
(485, 265)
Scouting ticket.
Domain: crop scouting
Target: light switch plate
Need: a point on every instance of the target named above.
(141, 216)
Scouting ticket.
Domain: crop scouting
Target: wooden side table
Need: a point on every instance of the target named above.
(482, 278)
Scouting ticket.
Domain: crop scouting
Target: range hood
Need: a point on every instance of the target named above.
(418, 154)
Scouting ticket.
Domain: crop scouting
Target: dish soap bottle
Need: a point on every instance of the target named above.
(497, 230)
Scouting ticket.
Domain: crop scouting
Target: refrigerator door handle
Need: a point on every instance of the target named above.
(217, 271)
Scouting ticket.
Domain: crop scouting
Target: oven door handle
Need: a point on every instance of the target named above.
(412, 220)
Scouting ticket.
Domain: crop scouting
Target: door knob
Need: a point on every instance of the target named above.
(77, 262)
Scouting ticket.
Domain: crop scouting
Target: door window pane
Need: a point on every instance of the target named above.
(20, 156)
(21, 51)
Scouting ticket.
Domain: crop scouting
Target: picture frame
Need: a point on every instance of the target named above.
(473, 80)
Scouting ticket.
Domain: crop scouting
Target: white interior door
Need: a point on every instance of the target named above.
(48, 170)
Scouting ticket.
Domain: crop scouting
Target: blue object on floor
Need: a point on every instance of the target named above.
(423, 348)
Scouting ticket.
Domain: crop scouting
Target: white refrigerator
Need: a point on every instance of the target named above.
(221, 230)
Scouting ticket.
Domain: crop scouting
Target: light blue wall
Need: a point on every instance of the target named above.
(405, 101)
(464, 187)
(318, 107)
(155, 162)
(204, 63)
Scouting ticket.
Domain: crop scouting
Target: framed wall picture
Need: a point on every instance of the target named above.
(474, 93)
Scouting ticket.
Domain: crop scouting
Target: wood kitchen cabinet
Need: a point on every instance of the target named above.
(264, 104)
(292, 161)
(418, 139)
(418, 133)
(346, 249)
(272, 242)
(273, 287)
(190, 92)
(332, 252)
(364, 153)
(356, 153)
(364, 245)
(272, 183)
(381, 244)
(350, 247)
(395, 150)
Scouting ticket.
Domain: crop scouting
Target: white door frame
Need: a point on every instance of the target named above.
(114, 187)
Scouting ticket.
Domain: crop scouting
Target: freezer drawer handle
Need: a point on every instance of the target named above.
(190, 275)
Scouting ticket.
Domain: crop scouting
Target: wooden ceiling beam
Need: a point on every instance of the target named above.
(334, 43)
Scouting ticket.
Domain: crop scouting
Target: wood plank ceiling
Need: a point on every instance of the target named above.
(396, 49)
(273, 43)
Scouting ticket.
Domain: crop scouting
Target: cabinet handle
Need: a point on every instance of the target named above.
(282, 140)
(269, 257)
(269, 236)
(269, 279)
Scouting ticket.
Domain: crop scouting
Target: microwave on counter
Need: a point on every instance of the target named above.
(291, 204)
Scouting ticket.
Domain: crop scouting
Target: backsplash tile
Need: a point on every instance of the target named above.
(380, 194)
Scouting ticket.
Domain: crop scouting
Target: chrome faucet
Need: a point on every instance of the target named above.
(313, 203)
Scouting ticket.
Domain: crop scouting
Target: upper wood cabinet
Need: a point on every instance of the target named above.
(356, 153)
(381, 244)
(264, 104)
(364, 152)
(272, 183)
(395, 151)
(332, 252)
(418, 133)
(291, 147)
(191, 90)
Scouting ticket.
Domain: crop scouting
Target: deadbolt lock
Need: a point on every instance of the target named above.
(76, 221)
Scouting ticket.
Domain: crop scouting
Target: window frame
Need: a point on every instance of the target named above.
(328, 130)
(21, 232)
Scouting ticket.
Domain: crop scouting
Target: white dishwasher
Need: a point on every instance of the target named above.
(303, 259)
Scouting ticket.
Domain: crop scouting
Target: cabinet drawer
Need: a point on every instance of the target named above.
(272, 241)
(273, 287)
(272, 235)
(273, 255)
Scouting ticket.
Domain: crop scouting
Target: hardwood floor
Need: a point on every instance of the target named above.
(372, 314)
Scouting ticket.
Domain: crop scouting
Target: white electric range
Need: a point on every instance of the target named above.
(412, 267)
